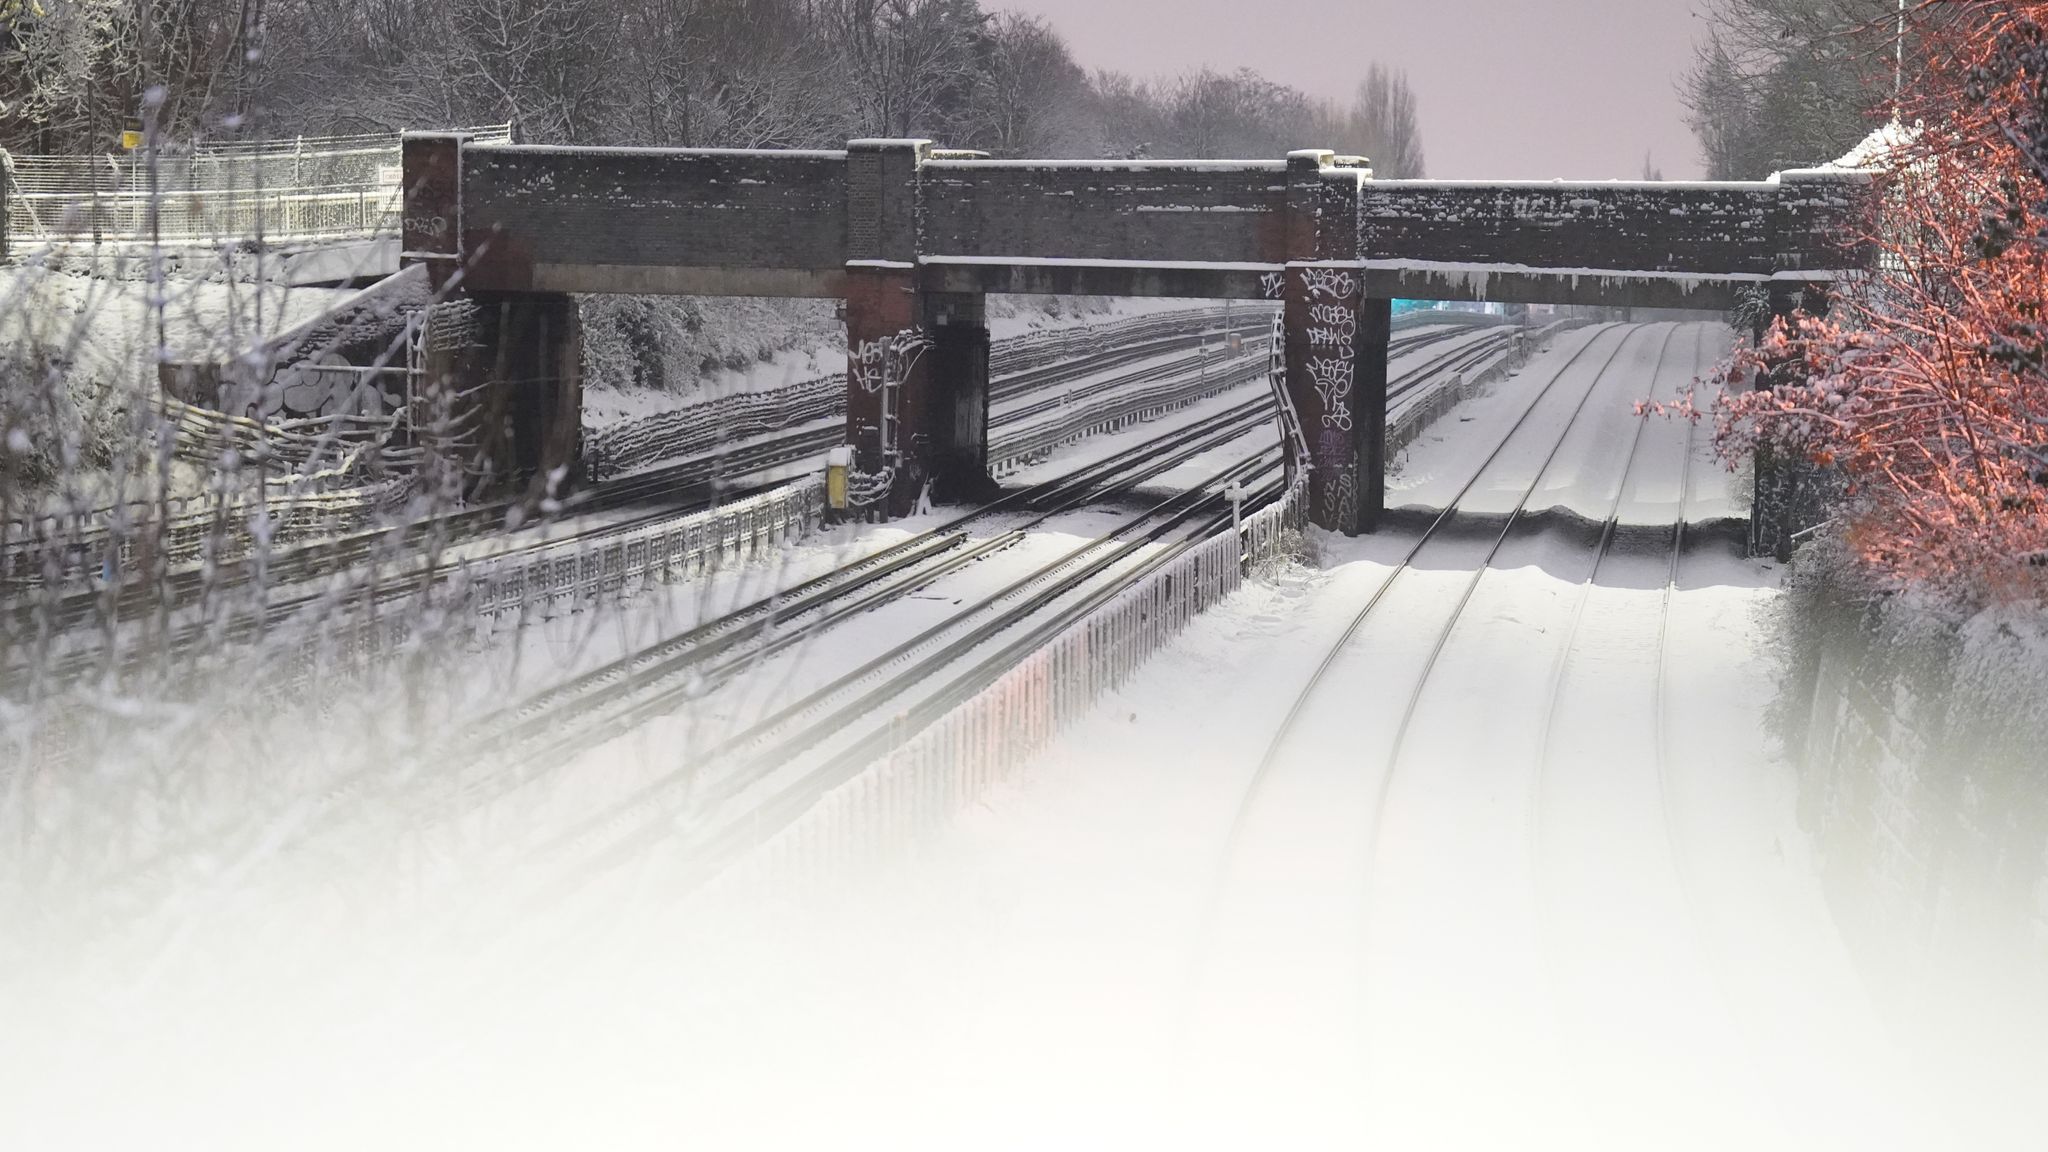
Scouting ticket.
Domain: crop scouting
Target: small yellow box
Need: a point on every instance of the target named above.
(837, 463)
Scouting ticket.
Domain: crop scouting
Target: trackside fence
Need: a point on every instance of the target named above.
(581, 571)
(989, 737)
(548, 579)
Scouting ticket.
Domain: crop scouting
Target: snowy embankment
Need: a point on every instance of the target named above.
(1577, 909)
(92, 343)
(614, 393)
(1594, 909)
(1918, 732)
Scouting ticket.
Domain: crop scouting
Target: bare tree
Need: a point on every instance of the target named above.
(911, 63)
(1032, 97)
(84, 66)
(1383, 125)
(1788, 83)
(729, 73)
(1210, 115)
(545, 65)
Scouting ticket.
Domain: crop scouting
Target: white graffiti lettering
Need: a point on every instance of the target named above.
(877, 364)
(1330, 283)
(1336, 316)
(1337, 477)
(1333, 378)
(1331, 339)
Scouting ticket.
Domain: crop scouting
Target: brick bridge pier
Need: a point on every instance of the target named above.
(911, 239)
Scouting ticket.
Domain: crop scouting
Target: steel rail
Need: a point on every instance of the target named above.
(761, 753)
(944, 550)
(1255, 787)
(1080, 486)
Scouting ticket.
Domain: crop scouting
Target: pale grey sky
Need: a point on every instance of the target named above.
(1509, 88)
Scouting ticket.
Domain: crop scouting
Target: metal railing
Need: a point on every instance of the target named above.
(989, 737)
(309, 188)
(579, 571)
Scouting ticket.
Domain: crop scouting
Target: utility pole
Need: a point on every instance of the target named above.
(1899, 66)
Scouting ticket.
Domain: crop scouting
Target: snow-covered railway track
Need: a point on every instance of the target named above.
(1308, 692)
(1623, 756)
(494, 755)
(713, 808)
(1435, 584)
(1042, 377)
(498, 755)
(611, 701)
(300, 575)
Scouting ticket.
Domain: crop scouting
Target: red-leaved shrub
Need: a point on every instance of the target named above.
(1926, 387)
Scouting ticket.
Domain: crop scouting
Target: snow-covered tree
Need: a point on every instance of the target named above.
(1926, 391)
(1785, 83)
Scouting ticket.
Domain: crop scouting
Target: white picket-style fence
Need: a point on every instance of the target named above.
(579, 571)
(990, 737)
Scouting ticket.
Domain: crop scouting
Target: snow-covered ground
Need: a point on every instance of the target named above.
(1573, 908)
(106, 327)
(1573, 918)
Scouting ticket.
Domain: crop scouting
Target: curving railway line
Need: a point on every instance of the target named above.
(300, 578)
(738, 786)
(1437, 841)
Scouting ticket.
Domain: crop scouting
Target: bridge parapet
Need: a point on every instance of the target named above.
(655, 221)
(786, 223)
(1128, 211)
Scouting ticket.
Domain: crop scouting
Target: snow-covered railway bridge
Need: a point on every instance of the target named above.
(911, 238)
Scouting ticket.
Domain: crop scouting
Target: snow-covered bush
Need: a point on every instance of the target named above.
(62, 408)
(1926, 390)
(669, 343)
(1292, 549)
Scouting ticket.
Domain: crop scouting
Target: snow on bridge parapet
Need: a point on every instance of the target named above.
(1164, 213)
(655, 221)
(774, 223)
(1649, 244)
